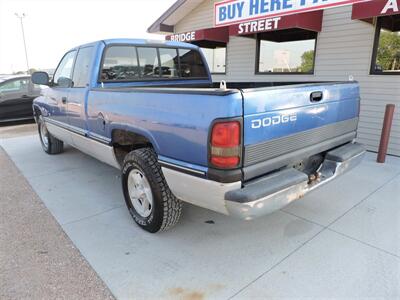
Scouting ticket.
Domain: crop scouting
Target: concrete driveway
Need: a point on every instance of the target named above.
(340, 241)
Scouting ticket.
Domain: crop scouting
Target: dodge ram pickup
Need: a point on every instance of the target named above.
(149, 108)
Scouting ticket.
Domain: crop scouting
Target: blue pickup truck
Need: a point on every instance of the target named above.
(149, 108)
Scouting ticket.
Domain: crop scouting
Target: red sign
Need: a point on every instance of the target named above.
(309, 21)
(229, 12)
(375, 8)
(210, 34)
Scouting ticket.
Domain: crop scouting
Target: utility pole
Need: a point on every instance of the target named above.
(20, 17)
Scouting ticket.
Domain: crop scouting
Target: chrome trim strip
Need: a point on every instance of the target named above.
(99, 138)
(74, 129)
(80, 131)
(177, 167)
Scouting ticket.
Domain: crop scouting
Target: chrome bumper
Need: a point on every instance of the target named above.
(290, 185)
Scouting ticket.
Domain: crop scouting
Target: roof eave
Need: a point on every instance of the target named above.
(159, 26)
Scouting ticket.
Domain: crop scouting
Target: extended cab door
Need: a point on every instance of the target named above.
(78, 93)
(57, 94)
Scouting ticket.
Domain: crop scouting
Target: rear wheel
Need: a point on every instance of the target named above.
(50, 144)
(147, 195)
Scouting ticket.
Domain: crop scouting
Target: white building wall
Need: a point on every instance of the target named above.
(344, 48)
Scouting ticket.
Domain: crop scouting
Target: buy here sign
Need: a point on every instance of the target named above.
(237, 11)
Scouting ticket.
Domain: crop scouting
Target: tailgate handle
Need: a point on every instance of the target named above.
(316, 96)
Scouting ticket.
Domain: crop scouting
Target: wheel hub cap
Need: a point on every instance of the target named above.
(44, 134)
(140, 193)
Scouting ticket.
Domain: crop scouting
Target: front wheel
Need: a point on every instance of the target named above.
(147, 195)
(50, 144)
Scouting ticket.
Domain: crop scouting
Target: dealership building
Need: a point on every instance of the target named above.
(331, 42)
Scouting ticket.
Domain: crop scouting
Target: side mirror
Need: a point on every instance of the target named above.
(41, 78)
(65, 82)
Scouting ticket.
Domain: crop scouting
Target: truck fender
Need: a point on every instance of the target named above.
(128, 129)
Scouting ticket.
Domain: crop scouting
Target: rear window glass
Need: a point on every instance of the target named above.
(169, 63)
(120, 63)
(191, 64)
(148, 61)
(130, 63)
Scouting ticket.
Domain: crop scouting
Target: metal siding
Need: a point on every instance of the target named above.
(344, 48)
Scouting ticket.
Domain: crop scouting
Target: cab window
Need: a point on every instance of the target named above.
(148, 62)
(63, 74)
(131, 63)
(191, 64)
(169, 62)
(120, 64)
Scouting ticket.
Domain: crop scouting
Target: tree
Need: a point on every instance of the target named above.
(30, 71)
(307, 61)
(388, 54)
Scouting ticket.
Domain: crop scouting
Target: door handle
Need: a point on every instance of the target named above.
(25, 96)
(316, 96)
(102, 121)
(64, 100)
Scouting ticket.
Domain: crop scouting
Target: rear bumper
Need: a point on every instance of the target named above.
(265, 195)
(274, 192)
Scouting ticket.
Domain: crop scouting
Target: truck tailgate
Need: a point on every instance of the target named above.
(283, 125)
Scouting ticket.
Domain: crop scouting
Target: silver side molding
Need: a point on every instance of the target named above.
(98, 150)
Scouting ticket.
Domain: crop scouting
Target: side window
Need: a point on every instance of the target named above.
(293, 53)
(386, 55)
(169, 62)
(120, 63)
(63, 74)
(148, 61)
(192, 65)
(15, 86)
(82, 66)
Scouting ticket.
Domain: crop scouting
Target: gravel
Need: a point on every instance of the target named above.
(37, 259)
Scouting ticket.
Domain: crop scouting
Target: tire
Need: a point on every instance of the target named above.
(147, 195)
(50, 144)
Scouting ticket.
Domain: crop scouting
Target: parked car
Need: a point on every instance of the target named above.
(16, 97)
(240, 152)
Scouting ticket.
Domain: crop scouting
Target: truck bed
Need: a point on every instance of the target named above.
(319, 126)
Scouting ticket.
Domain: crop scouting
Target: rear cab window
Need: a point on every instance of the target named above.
(191, 64)
(169, 59)
(123, 63)
(148, 62)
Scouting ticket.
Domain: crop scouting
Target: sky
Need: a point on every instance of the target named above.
(52, 27)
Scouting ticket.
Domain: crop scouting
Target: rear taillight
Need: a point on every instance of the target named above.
(225, 145)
